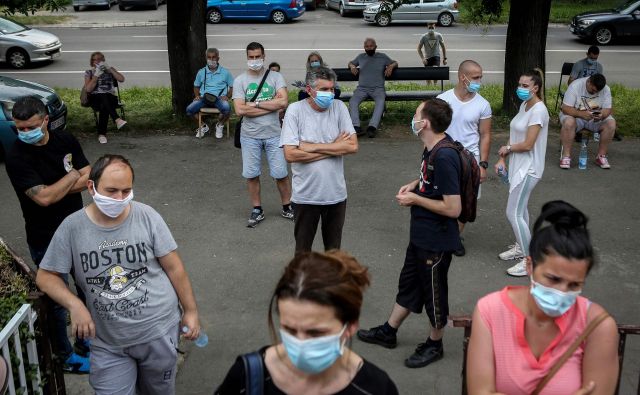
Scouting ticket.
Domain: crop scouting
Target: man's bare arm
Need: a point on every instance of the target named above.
(46, 195)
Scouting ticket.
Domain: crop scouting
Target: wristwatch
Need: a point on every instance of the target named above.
(509, 148)
(257, 104)
(484, 164)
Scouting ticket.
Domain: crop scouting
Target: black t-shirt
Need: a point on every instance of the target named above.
(30, 165)
(369, 380)
(431, 231)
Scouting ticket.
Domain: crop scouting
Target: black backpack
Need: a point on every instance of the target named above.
(469, 177)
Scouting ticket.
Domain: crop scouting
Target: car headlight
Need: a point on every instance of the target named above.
(40, 44)
(586, 22)
(7, 108)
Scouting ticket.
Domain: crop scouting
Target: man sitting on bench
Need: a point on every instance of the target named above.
(371, 69)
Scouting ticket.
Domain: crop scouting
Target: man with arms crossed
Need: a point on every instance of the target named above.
(138, 292)
(317, 132)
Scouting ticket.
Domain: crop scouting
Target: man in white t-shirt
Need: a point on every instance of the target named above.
(587, 105)
(471, 121)
(316, 134)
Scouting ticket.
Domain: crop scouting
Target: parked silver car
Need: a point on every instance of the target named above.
(105, 4)
(20, 45)
(416, 11)
(345, 7)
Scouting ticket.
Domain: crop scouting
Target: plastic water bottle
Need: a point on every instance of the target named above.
(596, 136)
(504, 175)
(202, 339)
(582, 159)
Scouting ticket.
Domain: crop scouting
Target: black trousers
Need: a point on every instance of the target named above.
(105, 104)
(423, 282)
(306, 218)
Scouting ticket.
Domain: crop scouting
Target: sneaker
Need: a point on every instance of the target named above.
(219, 130)
(256, 217)
(565, 162)
(425, 354)
(377, 335)
(461, 251)
(288, 214)
(603, 162)
(82, 347)
(120, 123)
(202, 130)
(76, 364)
(514, 252)
(519, 269)
(102, 139)
(371, 132)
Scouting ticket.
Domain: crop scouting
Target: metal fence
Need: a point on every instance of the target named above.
(12, 330)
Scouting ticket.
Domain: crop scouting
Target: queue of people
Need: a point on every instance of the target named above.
(121, 251)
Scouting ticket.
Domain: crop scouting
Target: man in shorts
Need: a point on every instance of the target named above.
(432, 41)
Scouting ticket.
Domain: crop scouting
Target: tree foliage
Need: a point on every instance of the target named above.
(27, 7)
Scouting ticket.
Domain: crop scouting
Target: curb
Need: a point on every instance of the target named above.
(94, 25)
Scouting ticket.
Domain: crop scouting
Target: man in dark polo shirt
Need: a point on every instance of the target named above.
(48, 171)
(435, 204)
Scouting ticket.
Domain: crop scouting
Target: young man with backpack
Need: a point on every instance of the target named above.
(436, 204)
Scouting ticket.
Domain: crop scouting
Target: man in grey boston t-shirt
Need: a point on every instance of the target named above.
(261, 130)
(371, 68)
(138, 294)
(317, 132)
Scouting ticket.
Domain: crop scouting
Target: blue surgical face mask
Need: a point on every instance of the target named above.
(315, 63)
(313, 355)
(591, 62)
(323, 99)
(33, 136)
(472, 86)
(551, 301)
(413, 127)
(524, 94)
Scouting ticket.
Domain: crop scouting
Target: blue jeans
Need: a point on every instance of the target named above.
(252, 157)
(195, 106)
(59, 313)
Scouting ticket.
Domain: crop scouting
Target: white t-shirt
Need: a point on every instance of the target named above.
(465, 123)
(576, 96)
(530, 163)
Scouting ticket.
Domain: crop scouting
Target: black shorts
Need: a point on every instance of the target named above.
(423, 282)
(433, 61)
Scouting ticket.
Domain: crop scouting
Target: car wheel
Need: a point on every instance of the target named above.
(17, 58)
(121, 7)
(341, 10)
(214, 16)
(603, 35)
(383, 19)
(278, 17)
(76, 8)
(445, 19)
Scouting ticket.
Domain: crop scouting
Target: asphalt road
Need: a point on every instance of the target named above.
(140, 52)
(196, 186)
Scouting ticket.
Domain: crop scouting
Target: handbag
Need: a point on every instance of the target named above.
(236, 135)
(84, 98)
(567, 354)
(254, 373)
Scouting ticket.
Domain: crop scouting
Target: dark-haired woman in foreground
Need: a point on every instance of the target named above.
(318, 300)
(520, 332)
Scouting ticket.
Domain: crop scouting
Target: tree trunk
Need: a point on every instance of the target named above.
(186, 42)
(526, 44)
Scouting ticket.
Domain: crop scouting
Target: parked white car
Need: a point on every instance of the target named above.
(345, 7)
(414, 11)
(105, 4)
(21, 45)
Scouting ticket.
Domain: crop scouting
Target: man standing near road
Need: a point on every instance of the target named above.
(261, 129)
(432, 41)
(371, 68)
(138, 292)
(317, 132)
(48, 171)
(471, 121)
(435, 204)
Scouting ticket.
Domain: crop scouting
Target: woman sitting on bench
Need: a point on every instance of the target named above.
(522, 335)
(100, 86)
(314, 60)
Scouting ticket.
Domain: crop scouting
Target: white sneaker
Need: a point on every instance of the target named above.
(219, 130)
(120, 123)
(519, 269)
(102, 139)
(514, 252)
(200, 132)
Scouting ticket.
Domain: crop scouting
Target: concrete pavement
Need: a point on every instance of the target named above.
(196, 186)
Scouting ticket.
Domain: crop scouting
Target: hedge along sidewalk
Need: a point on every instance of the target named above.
(148, 110)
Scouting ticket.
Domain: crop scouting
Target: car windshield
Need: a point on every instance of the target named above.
(625, 5)
(9, 27)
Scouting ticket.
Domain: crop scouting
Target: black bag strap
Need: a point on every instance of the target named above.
(205, 82)
(260, 86)
(254, 373)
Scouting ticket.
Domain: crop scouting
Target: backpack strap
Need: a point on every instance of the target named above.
(254, 373)
(444, 143)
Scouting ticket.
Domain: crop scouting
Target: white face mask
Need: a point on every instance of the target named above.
(255, 64)
(212, 63)
(111, 207)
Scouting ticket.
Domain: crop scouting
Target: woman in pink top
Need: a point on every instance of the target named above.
(520, 332)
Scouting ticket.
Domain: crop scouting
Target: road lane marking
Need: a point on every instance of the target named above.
(213, 35)
(166, 71)
(617, 51)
